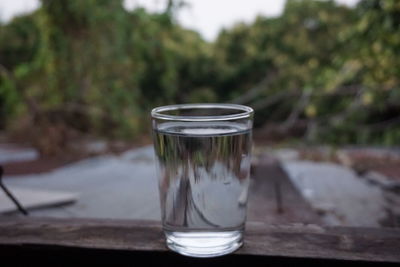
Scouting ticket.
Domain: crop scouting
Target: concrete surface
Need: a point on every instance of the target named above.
(126, 186)
(30, 199)
(338, 193)
(108, 187)
(12, 153)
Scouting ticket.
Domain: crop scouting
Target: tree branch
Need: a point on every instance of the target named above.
(297, 109)
(256, 90)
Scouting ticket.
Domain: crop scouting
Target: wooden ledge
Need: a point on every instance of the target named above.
(373, 245)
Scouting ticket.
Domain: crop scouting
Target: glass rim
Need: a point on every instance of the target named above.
(246, 112)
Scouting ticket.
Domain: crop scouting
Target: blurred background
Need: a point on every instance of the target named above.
(79, 78)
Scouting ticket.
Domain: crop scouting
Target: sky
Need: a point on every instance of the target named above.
(205, 16)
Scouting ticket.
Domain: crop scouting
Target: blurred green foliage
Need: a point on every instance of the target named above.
(96, 68)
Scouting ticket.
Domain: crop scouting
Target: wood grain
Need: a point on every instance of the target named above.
(274, 199)
(298, 240)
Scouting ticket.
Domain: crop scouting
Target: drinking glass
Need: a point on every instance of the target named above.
(203, 159)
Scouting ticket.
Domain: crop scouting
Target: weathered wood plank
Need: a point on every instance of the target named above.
(294, 241)
(274, 199)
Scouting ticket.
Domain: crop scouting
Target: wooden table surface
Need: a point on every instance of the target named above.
(282, 229)
(266, 240)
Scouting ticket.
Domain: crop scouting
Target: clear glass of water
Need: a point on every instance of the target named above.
(203, 158)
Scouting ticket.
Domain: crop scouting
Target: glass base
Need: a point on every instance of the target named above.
(204, 244)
